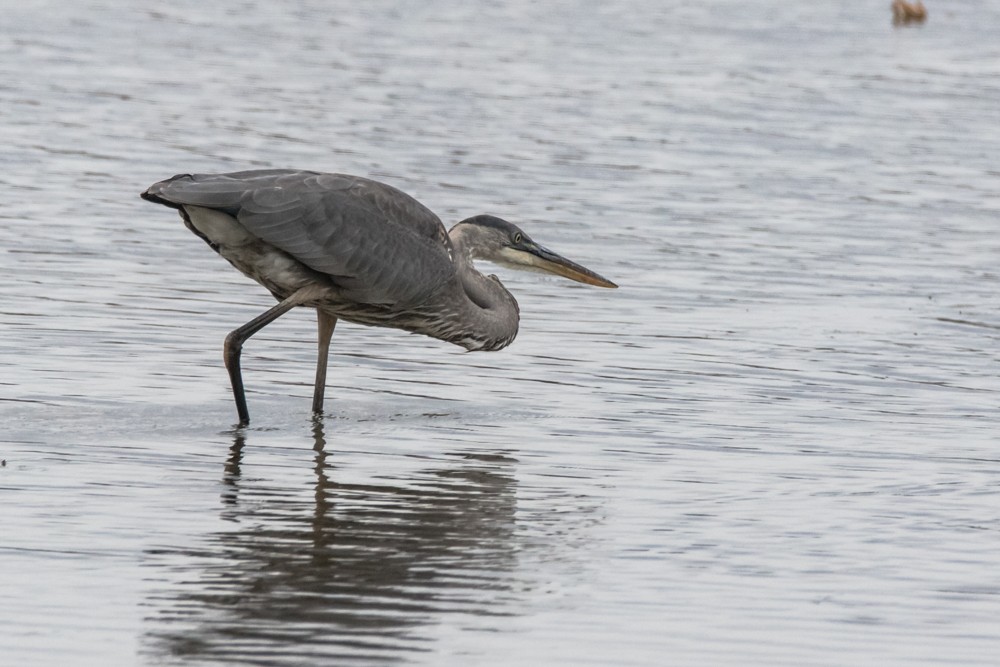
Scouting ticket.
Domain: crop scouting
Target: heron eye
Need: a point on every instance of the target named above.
(517, 237)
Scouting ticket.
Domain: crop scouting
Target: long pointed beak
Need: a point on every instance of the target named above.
(539, 257)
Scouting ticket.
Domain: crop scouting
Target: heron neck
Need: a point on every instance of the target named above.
(490, 314)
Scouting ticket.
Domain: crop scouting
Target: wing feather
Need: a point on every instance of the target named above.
(377, 243)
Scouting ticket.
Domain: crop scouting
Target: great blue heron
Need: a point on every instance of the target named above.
(357, 250)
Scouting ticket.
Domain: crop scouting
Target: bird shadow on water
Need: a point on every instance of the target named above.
(339, 571)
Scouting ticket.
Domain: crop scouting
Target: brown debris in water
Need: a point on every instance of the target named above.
(904, 13)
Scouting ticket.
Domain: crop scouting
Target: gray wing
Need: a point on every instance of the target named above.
(378, 244)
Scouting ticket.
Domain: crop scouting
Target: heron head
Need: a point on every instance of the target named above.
(501, 242)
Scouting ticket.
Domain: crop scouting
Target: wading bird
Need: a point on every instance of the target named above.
(357, 250)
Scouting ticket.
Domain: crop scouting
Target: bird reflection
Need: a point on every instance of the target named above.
(350, 571)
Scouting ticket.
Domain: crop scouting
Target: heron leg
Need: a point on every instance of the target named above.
(326, 324)
(234, 346)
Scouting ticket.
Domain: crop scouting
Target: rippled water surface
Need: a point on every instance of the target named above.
(775, 444)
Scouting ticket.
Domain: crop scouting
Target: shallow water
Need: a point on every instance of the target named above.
(775, 444)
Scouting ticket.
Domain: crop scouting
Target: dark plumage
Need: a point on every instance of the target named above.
(360, 250)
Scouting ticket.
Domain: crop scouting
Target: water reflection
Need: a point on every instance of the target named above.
(354, 571)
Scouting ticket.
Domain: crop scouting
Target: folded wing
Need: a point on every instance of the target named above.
(378, 244)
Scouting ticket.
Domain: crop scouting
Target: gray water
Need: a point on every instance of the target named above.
(775, 444)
